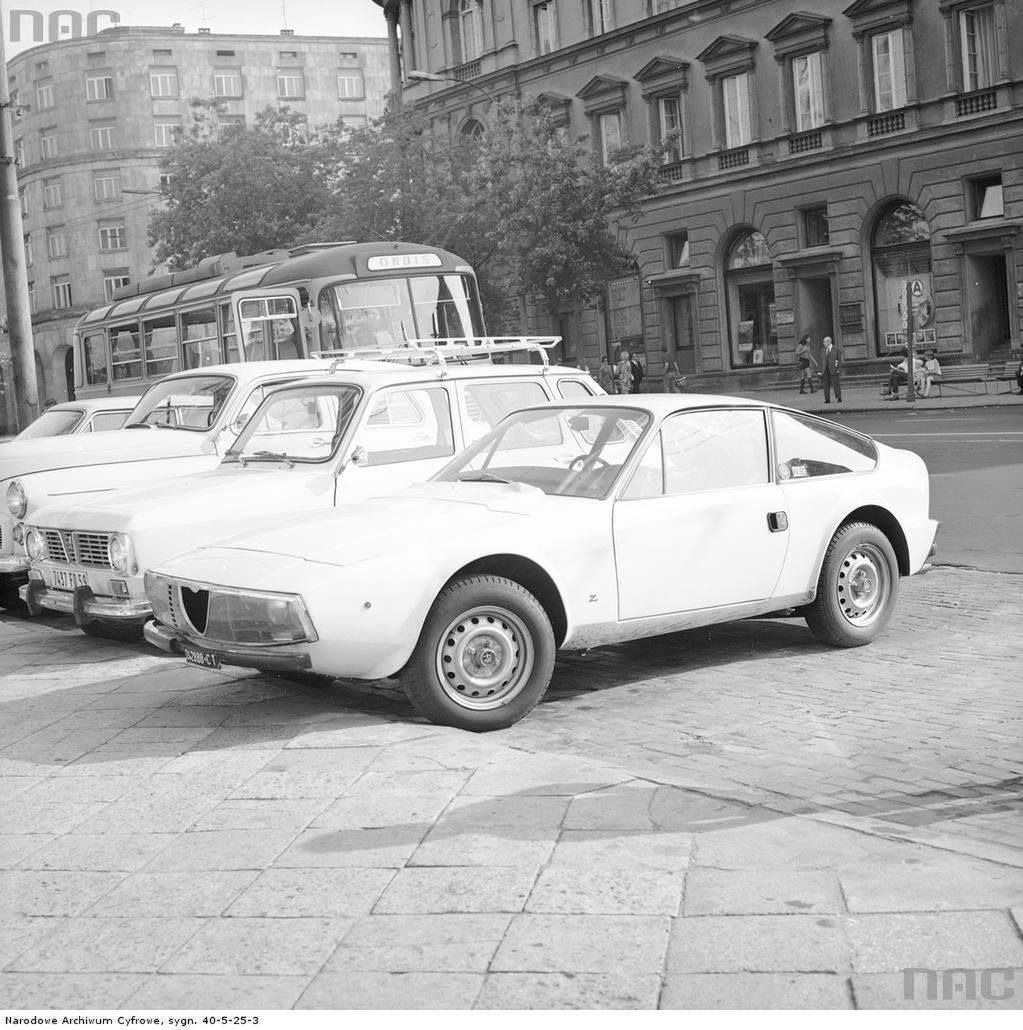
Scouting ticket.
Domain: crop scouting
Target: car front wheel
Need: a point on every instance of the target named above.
(857, 588)
(485, 655)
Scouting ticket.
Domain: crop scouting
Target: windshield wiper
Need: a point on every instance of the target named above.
(266, 456)
(482, 477)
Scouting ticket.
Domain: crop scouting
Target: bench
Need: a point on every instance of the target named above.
(966, 377)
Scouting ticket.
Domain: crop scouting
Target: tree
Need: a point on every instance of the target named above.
(245, 190)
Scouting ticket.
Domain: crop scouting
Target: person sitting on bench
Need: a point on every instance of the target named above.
(899, 375)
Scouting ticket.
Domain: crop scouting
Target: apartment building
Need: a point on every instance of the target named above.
(816, 160)
(92, 117)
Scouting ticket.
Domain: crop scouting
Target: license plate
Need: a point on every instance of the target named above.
(205, 659)
(65, 580)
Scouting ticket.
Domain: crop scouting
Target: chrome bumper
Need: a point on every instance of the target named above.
(13, 564)
(83, 604)
(174, 642)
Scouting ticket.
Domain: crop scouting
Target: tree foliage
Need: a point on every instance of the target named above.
(536, 213)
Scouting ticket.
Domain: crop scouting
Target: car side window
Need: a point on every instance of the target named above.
(648, 479)
(806, 448)
(714, 450)
(487, 403)
(571, 389)
(407, 424)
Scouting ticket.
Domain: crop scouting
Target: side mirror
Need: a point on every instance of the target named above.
(359, 456)
(240, 422)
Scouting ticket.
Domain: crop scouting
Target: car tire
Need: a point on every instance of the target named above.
(484, 657)
(857, 589)
(125, 632)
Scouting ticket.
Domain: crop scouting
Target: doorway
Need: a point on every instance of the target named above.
(682, 332)
(988, 300)
(816, 314)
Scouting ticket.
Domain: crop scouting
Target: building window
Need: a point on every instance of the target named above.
(163, 82)
(751, 308)
(29, 257)
(164, 180)
(113, 237)
(33, 298)
(808, 91)
(227, 83)
(610, 123)
(889, 58)
(735, 96)
(978, 44)
(99, 87)
(23, 200)
(901, 251)
(290, 85)
(19, 153)
(815, 226)
(166, 133)
(44, 97)
(545, 26)
(106, 187)
(114, 281)
(470, 29)
(669, 124)
(48, 144)
(987, 201)
(599, 17)
(61, 291)
(53, 194)
(56, 242)
(350, 85)
(678, 250)
(101, 137)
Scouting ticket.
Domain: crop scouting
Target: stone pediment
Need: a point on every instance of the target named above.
(662, 68)
(726, 48)
(601, 85)
(799, 25)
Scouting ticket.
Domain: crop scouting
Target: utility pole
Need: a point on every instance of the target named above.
(12, 246)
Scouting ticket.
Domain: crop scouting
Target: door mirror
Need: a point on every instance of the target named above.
(359, 456)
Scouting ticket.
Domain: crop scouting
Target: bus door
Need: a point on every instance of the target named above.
(268, 325)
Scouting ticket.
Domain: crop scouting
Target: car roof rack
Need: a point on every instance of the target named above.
(441, 351)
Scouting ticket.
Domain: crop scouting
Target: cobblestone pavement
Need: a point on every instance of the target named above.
(726, 818)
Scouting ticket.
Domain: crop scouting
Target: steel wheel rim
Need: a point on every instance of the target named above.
(484, 658)
(863, 585)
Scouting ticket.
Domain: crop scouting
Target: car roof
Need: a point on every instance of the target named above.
(119, 402)
(661, 403)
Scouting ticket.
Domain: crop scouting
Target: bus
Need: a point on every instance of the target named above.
(279, 304)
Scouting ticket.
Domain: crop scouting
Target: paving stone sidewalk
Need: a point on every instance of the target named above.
(727, 818)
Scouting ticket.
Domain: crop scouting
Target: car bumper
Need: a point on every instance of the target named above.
(14, 564)
(83, 604)
(174, 642)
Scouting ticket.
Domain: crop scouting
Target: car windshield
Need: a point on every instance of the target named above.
(572, 452)
(185, 402)
(52, 423)
(299, 424)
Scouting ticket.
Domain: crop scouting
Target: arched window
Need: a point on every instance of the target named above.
(749, 281)
(474, 129)
(901, 253)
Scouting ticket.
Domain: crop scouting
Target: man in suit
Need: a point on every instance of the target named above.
(831, 370)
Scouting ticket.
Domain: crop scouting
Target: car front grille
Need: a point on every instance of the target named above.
(77, 548)
(182, 607)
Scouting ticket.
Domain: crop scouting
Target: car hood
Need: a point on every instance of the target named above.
(418, 518)
(21, 457)
(227, 491)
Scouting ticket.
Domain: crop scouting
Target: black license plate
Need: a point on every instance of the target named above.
(205, 659)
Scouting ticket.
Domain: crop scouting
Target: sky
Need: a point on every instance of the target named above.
(305, 17)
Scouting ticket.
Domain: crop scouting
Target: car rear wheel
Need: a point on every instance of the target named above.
(125, 631)
(484, 658)
(857, 588)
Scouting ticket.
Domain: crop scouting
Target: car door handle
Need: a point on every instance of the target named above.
(777, 521)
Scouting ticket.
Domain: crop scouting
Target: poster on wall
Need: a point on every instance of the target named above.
(890, 306)
(625, 309)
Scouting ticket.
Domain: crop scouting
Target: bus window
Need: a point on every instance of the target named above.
(125, 355)
(329, 338)
(375, 314)
(199, 343)
(444, 309)
(94, 352)
(269, 328)
(230, 332)
(160, 340)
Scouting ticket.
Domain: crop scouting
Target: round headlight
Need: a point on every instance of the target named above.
(35, 545)
(17, 500)
(120, 552)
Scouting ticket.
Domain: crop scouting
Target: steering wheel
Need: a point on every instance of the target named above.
(595, 461)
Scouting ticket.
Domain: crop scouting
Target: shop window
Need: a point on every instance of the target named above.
(751, 305)
(901, 253)
(815, 227)
(986, 197)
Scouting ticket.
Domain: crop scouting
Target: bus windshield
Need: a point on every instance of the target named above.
(190, 403)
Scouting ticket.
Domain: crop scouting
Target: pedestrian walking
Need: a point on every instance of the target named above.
(637, 374)
(669, 372)
(804, 359)
(623, 373)
(831, 370)
(606, 376)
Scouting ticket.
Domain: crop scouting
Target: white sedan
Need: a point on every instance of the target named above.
(567, 526)
(93, 415)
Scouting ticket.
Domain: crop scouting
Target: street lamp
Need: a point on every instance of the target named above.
(416, 75)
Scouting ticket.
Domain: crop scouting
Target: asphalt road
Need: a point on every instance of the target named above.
(975, 457)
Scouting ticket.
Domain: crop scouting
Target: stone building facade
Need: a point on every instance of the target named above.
(92, 118)
(816, 161)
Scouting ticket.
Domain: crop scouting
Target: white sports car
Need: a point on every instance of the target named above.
(566, 526)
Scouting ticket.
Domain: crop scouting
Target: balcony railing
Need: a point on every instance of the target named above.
(673, 172)
(883, 124)
(733, 159)
(976, 103)
(806, 141)
(471, 70)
